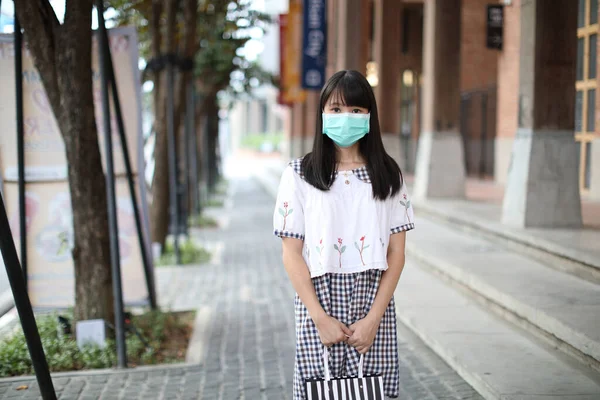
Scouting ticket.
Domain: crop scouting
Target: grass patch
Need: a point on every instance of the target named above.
(259, 141)
(221, 187)
(191, 253)
(215, 203)
(203, 221)
(166, 334)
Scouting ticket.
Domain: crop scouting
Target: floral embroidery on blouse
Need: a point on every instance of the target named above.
(407, 205)
(320, 250)
(361, 248)
(340, 249)
(284, 213)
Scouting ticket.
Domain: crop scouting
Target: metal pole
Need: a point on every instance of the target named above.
(188, 155)
(23, 304)
(172, 149)
(21, 145)
(126, 158)
(205, 161)
(110, 192)
(193, 150)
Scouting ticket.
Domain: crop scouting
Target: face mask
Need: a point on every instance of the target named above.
(346, 129)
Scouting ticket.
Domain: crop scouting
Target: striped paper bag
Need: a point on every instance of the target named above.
(347, 388)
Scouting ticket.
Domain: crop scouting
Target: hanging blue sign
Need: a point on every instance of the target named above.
(314, 44)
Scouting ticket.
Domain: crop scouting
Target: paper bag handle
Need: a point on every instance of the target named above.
(326, 365)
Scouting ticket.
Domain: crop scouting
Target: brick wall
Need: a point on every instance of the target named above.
(479, 65)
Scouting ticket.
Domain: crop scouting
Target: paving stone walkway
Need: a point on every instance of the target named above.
(246, 343)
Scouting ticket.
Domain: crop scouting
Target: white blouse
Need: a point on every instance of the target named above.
(345, 230)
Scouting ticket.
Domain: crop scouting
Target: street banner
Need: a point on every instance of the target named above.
(292, 85)
(314, 47)
(495, 26)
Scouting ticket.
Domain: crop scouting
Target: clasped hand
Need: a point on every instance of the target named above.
(359, 335)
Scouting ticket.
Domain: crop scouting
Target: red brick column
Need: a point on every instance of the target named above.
(543, 188)
(440, 168)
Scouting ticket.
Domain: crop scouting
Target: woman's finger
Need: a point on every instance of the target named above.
(347, 331)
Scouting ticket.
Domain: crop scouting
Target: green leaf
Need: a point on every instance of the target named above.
(343, 249)
(403, 203)
(356, 245)
(335, 246)
(366, 247)
(289, 212)
(282, 212)
(318, 249)
(408, 204)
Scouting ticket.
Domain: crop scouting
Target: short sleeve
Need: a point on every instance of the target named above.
(402, 218)
(288, 218)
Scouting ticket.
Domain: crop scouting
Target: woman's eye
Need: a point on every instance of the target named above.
(356, 111)
(336, 109)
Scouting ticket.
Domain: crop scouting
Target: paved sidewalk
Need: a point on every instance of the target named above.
(245, 341)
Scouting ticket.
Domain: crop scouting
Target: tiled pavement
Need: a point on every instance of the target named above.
(248, 339)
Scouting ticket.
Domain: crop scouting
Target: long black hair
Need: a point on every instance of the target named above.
(352, 88)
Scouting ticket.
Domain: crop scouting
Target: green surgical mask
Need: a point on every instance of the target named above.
(346, 129)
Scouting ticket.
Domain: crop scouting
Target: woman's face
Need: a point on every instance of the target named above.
(334, 106)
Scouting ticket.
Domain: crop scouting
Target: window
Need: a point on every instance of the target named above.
(585, 98)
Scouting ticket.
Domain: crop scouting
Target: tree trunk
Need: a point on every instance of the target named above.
(62, 55)
(159, 211)
(189, 45)
(212, 113)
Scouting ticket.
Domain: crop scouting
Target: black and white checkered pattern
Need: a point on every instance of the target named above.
(297, 165)
(348, 298)
(288, 234)
(402, 228)
(361, 173)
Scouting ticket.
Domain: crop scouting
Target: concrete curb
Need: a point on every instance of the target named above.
(96, 372)
(197, 346)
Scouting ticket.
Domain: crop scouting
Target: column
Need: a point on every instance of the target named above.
(311, 110)
(386, 54)
(298, 127)
(543, 188)
(352, 35)
(387, 27)
(508, 85)
(440, 170)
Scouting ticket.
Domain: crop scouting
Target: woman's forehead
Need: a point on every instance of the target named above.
(336, 98)
(347, 97)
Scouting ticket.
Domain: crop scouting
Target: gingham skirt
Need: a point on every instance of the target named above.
(348, 298)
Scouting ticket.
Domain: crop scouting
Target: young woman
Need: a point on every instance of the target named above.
(342, 212)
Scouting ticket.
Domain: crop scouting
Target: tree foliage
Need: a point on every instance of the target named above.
(223, 29)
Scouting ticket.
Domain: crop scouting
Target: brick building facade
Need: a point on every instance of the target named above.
(471, 109)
